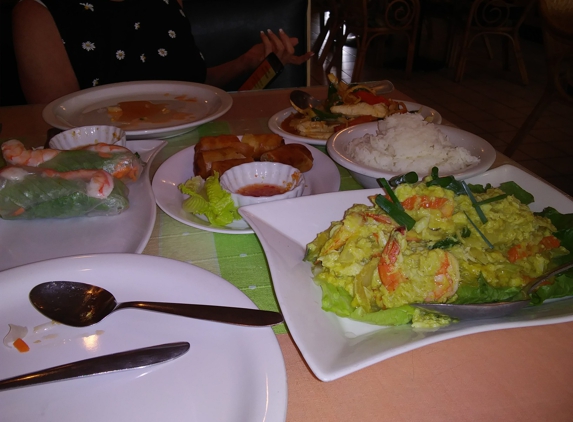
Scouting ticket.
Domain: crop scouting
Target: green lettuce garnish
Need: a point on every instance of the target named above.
(337, 300)
(208, 198)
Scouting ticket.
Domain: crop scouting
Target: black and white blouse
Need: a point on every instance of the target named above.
(111, 41)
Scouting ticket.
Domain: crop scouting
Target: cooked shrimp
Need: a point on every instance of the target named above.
(444, 205)
(15, 153)
(446, 279)
(104, 150)
(100, 182)
(388, 270)
(342, 234)
(100, 185)
(103, 147)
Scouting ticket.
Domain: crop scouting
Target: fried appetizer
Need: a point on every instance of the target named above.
(262, 143)
(204, 159)
(209, 143)
(222, 166)
(296, 155)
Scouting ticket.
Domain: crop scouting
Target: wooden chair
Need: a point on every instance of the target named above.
(327, 34)
(372, 19)
(556, 24)
(494, 18)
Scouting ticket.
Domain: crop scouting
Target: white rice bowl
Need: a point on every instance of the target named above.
(406, 142)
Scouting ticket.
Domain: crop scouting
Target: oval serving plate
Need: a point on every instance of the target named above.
(194, 104)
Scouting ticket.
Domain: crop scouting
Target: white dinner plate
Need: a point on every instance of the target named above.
(334, 346)
(323, 177)
(230, 373)
(200, 104)
(26, 241)
(367, 175)
(276, 121)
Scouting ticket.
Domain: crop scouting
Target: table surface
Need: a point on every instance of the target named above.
(523, 374)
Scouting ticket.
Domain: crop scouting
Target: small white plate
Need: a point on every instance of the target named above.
(276, 121)
(333, 346)
(27, 241)
(231, 373)
(323, 177)
(88, 107)
(366, 175)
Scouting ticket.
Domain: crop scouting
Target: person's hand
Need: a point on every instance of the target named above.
(282, 45)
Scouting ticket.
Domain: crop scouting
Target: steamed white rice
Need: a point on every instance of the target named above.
(406, 142)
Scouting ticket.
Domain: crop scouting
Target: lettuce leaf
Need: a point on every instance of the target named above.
(512, 188)
(483, 292)
(208, 198)
(337, 300)
(561, 286)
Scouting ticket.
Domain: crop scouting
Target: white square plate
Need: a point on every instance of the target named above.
(333, 346)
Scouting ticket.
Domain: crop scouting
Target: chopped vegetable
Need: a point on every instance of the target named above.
(15, 332)
(21, 346)
(410, 177)
(371, 98)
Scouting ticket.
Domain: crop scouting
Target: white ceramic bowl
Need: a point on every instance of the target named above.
(262, 173)
(88, 135)
(367, 176)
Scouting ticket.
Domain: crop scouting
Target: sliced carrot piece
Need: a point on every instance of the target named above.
(21, 346)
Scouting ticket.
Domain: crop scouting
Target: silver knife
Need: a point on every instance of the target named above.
(131, 359)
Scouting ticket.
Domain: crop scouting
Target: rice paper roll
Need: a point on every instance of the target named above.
(116, 160)
(29, 193)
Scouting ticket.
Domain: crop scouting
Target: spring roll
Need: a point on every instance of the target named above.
(29, 192)
(209, 143)
(296, 155)
(222, 166)
(117, 161)
(262, 143)
(216, 142)
(204, 160)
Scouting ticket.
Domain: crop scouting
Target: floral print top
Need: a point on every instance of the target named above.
(111, 41)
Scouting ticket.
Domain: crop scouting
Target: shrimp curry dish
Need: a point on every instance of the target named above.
(434, 241)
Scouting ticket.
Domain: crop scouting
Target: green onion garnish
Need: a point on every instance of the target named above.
(475, 203)
(394, 211)
(494, 199)
(386, 186)
(479, 231)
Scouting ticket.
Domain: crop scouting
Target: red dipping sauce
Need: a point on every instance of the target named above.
(262, 189)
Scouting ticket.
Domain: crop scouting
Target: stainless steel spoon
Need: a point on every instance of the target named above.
(491, 310)
(301, 100)
(80, 305)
